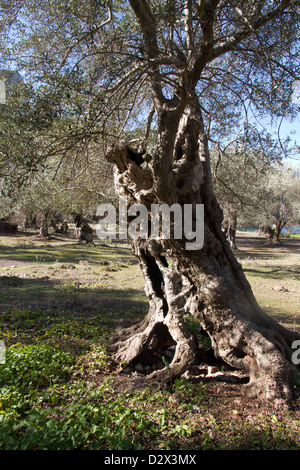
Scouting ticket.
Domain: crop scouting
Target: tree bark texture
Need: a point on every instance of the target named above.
(44, 228)
(273, 234)
(208, 283)
(278, 228)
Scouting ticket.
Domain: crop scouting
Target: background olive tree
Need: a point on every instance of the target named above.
(255, 191)
(280, 201)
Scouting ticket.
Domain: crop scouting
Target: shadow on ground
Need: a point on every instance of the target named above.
(276, 273)
(66, 253)
(48, 294)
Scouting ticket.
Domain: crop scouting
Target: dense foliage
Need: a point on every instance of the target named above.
(87, 74)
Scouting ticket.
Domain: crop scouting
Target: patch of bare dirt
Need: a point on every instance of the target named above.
(12, 263)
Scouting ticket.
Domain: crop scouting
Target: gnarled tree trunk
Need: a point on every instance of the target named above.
(208, 283)
(273, 234)
(278, 228)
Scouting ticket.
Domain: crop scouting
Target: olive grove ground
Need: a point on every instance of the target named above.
(60, 304)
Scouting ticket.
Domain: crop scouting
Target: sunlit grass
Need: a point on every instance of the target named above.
(59, 310)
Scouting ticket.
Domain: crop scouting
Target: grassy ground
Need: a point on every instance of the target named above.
(60, 303)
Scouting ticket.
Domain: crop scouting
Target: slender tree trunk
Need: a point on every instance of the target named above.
(278, 228)
(30, 221)
(44, 228)
(85, 230)
(232, 236)
(208, 283)
(270, 234)
(53, 224)
(230, 226)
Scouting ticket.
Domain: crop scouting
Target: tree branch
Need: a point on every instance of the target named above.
(144, 16)
(148, 127)
(188, 26)
(88, 33)
(146, 20)
(206, 11)
(257, 23)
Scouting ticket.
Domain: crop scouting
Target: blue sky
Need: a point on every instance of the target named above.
(292, 130)
(283, 129)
